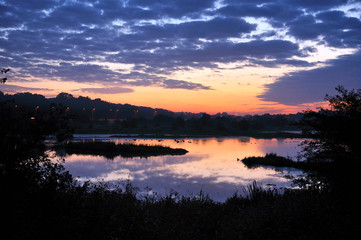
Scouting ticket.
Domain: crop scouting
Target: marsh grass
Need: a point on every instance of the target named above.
(103, 211)
(111, 150)
(274, 160)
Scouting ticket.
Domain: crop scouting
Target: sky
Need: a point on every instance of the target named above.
(234, 56)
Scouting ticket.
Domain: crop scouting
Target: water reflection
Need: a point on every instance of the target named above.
(211, 165)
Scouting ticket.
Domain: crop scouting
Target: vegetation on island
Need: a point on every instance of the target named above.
(41, 200)
(111, 150)
(272, 159)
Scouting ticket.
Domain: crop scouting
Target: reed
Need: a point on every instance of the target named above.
(111, 150)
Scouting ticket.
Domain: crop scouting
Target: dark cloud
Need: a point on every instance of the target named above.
(83, 31)
(274, 11)
(183, 85)
(316, 4)
(94, 73)
(9, 88)
(335, 28)
(280, 62)
(212, 29)
(312, 85)
(297, 4)
(35, 4)
(107, 90)
(73, 15)
(174, 8)
(306, 20)
(212, 52)
(7, 17)
(277, 12)
(114, 9)
(64, 40)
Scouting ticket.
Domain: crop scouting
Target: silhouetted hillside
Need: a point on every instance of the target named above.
(96, 115)
(84, 106)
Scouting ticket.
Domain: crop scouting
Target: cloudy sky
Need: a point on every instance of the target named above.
(235, 56)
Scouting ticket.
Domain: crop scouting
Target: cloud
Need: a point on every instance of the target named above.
(210, 54)
(107, 90)
(271, 10)
(174, 8)
(184, 85)
(8, 88)
(91, 30)
(297, 4)
(311, 86)
(73, 40)
(334, 27)
(305, 19)
(212, 29)
(316, 5)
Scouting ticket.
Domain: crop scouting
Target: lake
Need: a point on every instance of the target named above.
(210, 166)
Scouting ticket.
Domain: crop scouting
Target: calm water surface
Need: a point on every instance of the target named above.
(210, 165)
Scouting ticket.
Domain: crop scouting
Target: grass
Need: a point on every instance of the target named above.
(100, 211)
(111, 150)
(272, 159)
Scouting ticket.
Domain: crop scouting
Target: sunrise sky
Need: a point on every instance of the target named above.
(240, 57)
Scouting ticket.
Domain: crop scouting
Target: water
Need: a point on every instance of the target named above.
(210, 165)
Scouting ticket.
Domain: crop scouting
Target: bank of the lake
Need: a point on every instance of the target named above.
(255, 134)
(192, 133)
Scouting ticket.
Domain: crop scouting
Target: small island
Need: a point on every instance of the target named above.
(111, 150)
(272, 160)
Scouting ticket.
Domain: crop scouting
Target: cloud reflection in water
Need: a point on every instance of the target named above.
(211, 166)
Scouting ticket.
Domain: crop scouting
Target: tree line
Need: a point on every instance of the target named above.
(89, 113)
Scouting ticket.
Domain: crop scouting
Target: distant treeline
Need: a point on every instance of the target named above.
(100, 116)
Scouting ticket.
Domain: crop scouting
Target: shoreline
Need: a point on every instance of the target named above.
(257, 135)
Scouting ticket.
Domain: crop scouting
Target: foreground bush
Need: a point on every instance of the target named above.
(100, 211)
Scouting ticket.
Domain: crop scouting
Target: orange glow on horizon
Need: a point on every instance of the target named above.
(232, 91)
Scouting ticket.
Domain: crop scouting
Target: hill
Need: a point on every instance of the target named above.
(98, 116)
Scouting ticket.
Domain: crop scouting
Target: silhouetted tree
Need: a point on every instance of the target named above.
(29, 179)
(162, 120)
(130, 123)
(335, 134)
(221, 123)
(334, 130)
(205, 120)
(257, 125)
(3, 71)
(178, 123)
(243, 125)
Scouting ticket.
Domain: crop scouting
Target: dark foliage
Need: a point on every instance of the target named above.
(271, 159)
(100, 116)
(103, 212)
(335, 131)
(85, 108)
(4, 71)
(111, 150)
(335, 134)
(28, 178)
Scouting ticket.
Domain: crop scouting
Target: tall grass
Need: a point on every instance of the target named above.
(111, 150)
(104, 211)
